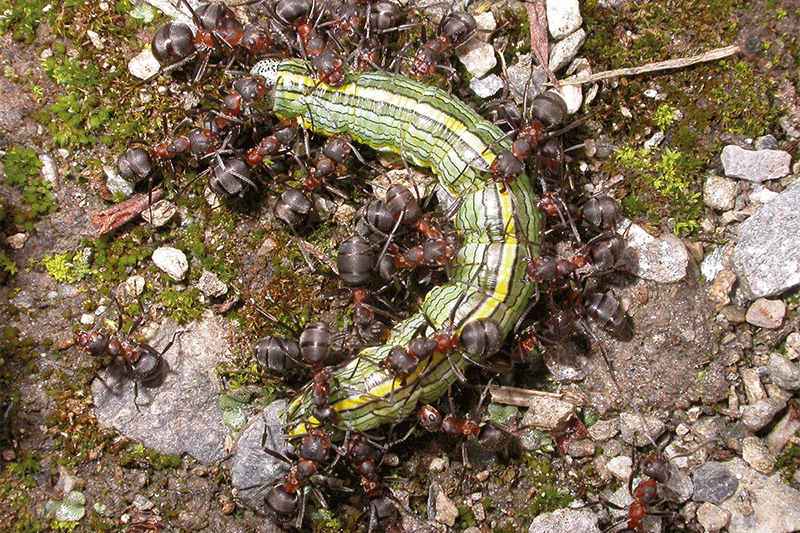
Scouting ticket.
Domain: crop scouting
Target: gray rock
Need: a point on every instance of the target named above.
(713, 518)
(565, 521)
(640, 430)
(766, 142)
(766, 313)
(172, 261)
(755, 166)
(757, 455)
(116, 183)
(679, 487)
(477, 56)
(783, 372)
(179, 412)
(766, 260)
(757, 415)
(522, 81)
(761, 503)
(713, 483)
(719, 193)
(486, 87)
(663, 260)
(563, 17)
(565, 50)
(654, 141)
(441, 509)
(252, 468)
(210, 285)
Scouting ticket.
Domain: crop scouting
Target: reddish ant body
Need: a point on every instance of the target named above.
(142, 363)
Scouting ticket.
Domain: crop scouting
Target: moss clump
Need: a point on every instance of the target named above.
(67, 267)
(744, 98)
(662, 184)
(23, 170)
(185, 305)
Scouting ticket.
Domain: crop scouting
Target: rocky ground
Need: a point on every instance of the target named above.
(708, 381)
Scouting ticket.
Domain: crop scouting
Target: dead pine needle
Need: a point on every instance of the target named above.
(712, 55)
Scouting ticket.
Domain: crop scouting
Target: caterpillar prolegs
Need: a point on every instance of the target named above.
(499, 224)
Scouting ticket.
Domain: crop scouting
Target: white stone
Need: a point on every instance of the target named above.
(172, 261)
(563, 17)
(478, 57)
(144, 65)
(719, 193)
(663, 260)
(565, 50)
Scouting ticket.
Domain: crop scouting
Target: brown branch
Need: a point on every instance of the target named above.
(713, 55)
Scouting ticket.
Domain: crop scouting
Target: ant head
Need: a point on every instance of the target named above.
(92, 342)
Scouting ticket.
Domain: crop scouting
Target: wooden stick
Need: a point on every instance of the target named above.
(713, 55)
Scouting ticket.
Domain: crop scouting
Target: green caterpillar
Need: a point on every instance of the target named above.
(499, 223)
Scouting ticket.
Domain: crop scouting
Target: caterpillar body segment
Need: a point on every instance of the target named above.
(499, 222)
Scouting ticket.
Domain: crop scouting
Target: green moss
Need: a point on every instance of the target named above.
(664, 116)
(663, 184)
(23, 169)
(744, 97)
(184, 304)
(67, 267)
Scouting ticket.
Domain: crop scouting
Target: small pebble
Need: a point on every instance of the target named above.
(713, 483)
(565, 521)
(761, 413)
(713, 518)
(721, 288)
(620, 467)
(757, 455)
(437, 465)
(565, 50)
(16, 241)
(640, 430)
(446, 510)
(603, 430)
(142, 503)
(783, 372)
(654, 141)
(487, 86)
(478, 57)
(753, 387)
(663, 260)
(766, 142)
(172, 261)
(766, 313)
(116, 184)
(755, 165)
(573, 96)
(733, 314)
(719, 193)
(580, 448)
(132, 287)
(563, 17)
(210, 285)
(793, 346)
(144, 65)
(159, 213)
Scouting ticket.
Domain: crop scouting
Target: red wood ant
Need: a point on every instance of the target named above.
(142, 363)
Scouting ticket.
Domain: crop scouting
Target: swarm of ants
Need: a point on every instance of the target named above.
(402, 244)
